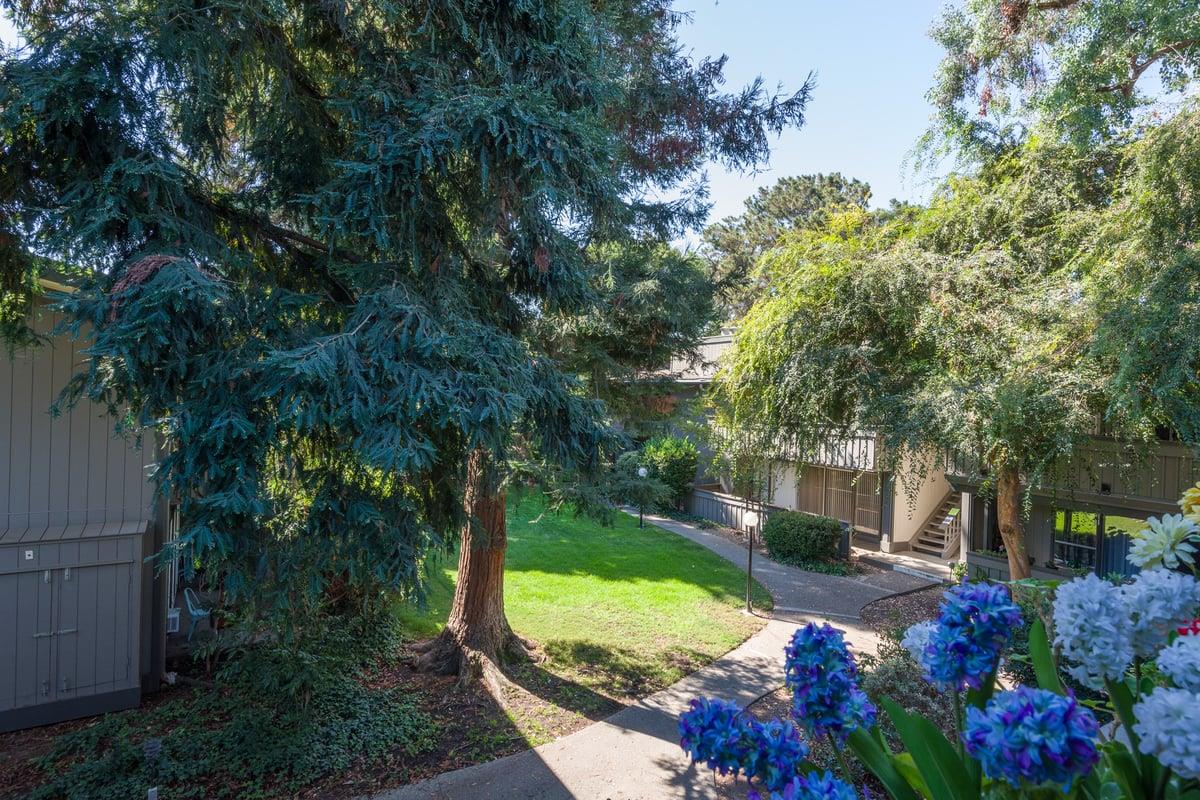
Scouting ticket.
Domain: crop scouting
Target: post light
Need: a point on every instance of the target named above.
(642, 473)
(750, 522)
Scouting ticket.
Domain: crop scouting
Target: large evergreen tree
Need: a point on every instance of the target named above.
(318, 236)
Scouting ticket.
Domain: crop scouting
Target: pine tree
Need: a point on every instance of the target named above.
(319, 236)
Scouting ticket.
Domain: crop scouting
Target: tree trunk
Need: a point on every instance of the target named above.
(477, 637)
(1012, 528)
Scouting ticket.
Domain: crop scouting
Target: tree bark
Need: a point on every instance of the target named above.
(477, 638)
(1012, 528)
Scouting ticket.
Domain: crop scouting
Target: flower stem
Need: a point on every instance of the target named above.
(841, 759)
(958, 722)
(1164, 777)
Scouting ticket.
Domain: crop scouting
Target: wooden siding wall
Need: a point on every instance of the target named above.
(1106, 472)
(64, 470)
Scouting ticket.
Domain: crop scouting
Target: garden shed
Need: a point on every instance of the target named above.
(85, 614)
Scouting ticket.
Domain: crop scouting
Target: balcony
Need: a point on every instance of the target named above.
(1105, 472)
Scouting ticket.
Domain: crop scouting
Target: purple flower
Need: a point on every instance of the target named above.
(974, 625)
(1033, 736)
(714, 731)
(729, 740)
(824, 683)
(776, 752)
(813, 786)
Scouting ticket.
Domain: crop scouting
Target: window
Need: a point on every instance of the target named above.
(1099, 543)
(1075, 539)
(870, 501)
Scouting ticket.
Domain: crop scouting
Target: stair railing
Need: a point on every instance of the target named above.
(953, 527)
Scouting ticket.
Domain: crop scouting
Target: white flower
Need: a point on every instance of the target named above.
(1181, 663)
(916, 639)
(1159, 601)
(1091, 625)
(1166, 725)
(1167, 542)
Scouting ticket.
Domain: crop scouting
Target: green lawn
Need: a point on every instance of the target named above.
(619, 609)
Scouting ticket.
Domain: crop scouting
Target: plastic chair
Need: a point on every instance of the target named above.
(196, 612)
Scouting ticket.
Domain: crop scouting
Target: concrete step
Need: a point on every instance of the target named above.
(927, 549)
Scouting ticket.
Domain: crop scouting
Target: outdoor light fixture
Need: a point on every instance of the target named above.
(642, 473)
(750, 522)
(151, 750)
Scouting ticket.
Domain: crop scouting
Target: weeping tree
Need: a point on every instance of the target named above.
(1047, 297)
(959, 330)
(1083, 70)
(734, 245)
(319, 239)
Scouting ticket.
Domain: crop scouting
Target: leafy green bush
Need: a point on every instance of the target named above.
(672, 460)
(232, 743)
(278, 719)
(793, 537)
(630, 488)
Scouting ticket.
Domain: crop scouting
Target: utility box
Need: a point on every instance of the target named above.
(70, 630)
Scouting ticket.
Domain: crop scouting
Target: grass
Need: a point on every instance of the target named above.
(620, 610)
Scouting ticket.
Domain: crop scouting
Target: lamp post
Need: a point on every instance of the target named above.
(750, 520)
(642, 473)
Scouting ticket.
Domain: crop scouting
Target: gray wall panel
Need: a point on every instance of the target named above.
(20, 441)
(65, 469)
(89, 613)
(10, 602)
(66, 640)
(41, 481)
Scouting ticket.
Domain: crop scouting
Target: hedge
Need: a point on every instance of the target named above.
(793, 536)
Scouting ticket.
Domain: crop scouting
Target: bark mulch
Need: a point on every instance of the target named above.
(903, 610)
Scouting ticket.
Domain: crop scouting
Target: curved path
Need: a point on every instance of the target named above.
(635, 754)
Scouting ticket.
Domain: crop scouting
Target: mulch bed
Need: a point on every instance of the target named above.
(901, 611)
(473, 728)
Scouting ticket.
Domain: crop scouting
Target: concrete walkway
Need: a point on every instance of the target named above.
(635, 754)
(797, 592)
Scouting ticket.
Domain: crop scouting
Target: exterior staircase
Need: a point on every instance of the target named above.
(941, 532)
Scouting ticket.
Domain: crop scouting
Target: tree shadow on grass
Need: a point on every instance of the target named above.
(619, 672)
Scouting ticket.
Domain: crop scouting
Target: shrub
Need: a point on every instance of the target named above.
(792, 536)
(958, 572)
(630, 488)
(672, 460)
(891, 672)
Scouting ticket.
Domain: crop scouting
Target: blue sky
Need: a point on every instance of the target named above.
(874, 62)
